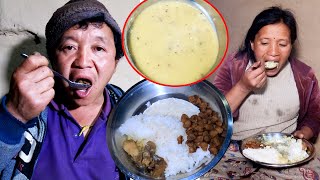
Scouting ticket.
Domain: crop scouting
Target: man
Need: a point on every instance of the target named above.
(49, 130)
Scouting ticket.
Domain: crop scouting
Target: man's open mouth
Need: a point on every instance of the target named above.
(84, 84)
(84, 81)
(82, 93)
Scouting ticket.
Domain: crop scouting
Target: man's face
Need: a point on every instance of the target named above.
(87, 55)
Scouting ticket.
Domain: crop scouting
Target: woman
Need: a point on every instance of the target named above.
(283, 98)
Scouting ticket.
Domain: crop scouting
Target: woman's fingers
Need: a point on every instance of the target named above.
(262, 82)
(298, 134)
(257, 76)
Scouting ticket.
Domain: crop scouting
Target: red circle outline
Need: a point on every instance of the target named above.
(189, 84)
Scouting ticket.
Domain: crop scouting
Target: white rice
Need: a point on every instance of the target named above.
(161, 124)
(266, 155)
(172, 107)
(281, 151)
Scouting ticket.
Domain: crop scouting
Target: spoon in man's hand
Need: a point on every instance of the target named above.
(72, 84)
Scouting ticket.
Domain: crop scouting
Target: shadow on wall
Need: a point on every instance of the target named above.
(28, 46)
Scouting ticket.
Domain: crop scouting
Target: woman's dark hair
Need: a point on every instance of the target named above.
(268, 16)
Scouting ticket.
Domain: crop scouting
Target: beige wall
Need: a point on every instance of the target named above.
(239, 15)
(20, 17)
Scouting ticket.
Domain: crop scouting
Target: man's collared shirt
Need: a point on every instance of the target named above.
(67, 154)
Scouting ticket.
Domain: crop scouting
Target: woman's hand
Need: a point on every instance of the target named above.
(305, 132)
(31, 88)
(254, 78)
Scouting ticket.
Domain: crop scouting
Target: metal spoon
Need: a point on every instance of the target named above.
(72, 84)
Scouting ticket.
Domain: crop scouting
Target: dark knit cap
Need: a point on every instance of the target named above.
(72, 13)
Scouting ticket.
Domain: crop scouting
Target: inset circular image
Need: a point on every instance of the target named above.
(175, 42)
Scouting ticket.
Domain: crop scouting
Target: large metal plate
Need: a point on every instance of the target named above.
(134, 102)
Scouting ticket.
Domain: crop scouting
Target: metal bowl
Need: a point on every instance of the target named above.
(134, 102)
(258, 138)
(214, 18)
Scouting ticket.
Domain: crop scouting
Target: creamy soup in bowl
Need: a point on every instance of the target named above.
(173, 42)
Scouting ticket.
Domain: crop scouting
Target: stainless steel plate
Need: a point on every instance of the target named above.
(258, 138)
(134, 102)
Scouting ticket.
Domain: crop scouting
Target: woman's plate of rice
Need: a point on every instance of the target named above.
(277, 150)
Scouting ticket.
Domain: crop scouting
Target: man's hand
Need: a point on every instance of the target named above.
(254, 78)
(31, 88)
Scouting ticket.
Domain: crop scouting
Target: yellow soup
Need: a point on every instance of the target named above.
(173, 43)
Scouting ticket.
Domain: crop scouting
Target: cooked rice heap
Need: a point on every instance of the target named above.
(278, 150)
(161, 124)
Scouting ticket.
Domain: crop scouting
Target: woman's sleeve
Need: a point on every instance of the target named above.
(312, 117)
(223, 79)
